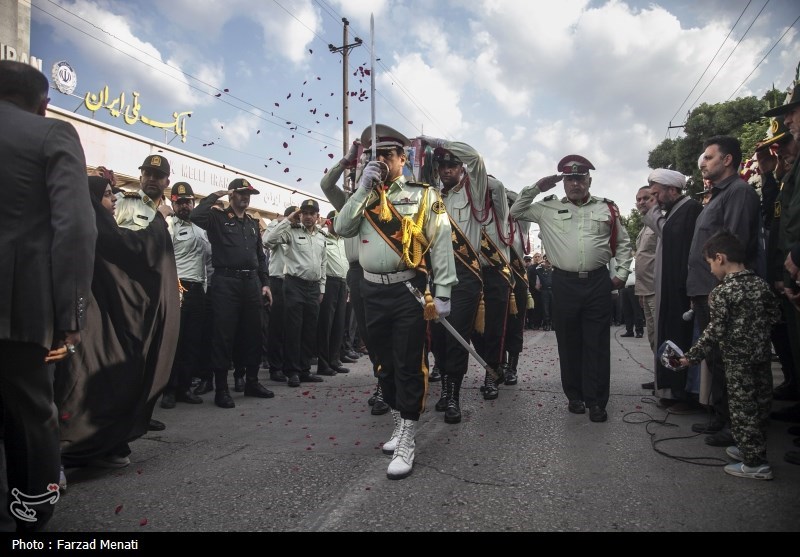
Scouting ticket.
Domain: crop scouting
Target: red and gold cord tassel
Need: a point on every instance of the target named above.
(480, 317)
(429, 313)
(386, 214)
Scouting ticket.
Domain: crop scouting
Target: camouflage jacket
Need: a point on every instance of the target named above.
(743, 310)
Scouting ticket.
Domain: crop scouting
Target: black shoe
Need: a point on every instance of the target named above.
(223, 399)
(256, 389)
(453, 413)
(168, 400)
(339, 368)
(489, 389)
(379, 408)
(310, 378)
(188, 397)
(511, 377)
(649, 386)
(788, 414)
(277, 376)
(722, 438)
(155, 425)
(639, 335)
(294, 380)
(627, 334)
(577, 407)
(348, 359)
(328, 372)
(713, 426)
(352, 355)
(597, 414)
(435, 375)
(238, 384)
(205, 386)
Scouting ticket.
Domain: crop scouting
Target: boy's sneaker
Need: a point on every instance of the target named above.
(760, 472)
(734, 453)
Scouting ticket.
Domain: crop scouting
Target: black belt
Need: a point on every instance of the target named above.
(236, 273)
(302, 280)
(329, 278)
(190, 283)
(581, 274)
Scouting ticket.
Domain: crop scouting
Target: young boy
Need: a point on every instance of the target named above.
(743, 309)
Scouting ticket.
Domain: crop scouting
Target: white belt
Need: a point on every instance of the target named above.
(390, 278)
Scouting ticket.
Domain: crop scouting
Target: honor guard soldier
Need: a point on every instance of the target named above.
(191, 246)
(515, 324)
(477, 206)
(399, 225)
(580, 233)
(239, 286)
(136, 209)
(338, 197)
(304, 263)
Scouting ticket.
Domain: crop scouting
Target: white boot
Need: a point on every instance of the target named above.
(403, 460)
(391, 444)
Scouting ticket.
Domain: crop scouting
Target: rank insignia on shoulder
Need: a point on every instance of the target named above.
(549, 198)
(438, 207)
(418, 184)
(131, 195)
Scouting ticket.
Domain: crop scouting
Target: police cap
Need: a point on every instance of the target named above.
(309, 205)
(575, 164)
(240, 185)
(181, 190)
(156, 162)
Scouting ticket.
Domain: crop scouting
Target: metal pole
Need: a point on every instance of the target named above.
(345, 92)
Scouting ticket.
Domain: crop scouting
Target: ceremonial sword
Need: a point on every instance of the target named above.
(467, 346)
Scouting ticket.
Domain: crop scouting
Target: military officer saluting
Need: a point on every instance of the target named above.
(304, 264)
(135, 210)
(580, 233)
(239, 287)
(399, 225)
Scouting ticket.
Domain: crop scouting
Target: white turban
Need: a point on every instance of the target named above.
(667, 177)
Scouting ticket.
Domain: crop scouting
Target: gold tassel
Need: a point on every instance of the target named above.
(530, 301)
(385, 215)
(429, 313)
(480, 317)
(512, 304)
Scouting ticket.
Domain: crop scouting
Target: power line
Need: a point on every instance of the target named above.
(729, 55)
(764, 58)
(710, 62)
(211, 86)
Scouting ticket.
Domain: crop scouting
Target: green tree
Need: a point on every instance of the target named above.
(633, 223)
(741, 118)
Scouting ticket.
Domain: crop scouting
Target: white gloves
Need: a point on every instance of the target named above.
(432, 141)
(442, 307)
(349, 159)
(372, 175)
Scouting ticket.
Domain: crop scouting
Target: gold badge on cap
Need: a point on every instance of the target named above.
(155, 161)
(575, 168)
(245, 183)
(181, 189)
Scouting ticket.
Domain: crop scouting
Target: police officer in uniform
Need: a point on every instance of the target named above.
(515, 323)
(239, 286)
(190, 244)
(330, 327)
(377, 213)
(305, 261)
(275, 334)
(581, 233)
(135, 210)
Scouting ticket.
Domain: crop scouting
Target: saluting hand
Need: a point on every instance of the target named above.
(549, 182)
(294, 218)
(351, 157)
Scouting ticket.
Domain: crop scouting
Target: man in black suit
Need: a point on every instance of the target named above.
(47, 245)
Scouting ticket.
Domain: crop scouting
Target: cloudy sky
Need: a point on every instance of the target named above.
(525, 82)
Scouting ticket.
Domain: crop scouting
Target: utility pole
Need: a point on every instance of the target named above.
(344, 50)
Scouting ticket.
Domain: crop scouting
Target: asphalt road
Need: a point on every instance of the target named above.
(309, 460)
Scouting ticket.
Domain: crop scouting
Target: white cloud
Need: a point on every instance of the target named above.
(238, 131)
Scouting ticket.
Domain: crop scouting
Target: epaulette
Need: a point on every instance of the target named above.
(606, 200)
(550, 198)
(418, 184)
(131, 195)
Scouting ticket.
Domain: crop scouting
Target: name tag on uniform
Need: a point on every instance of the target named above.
(184, 233)
(562, 211)
(301, 237)
(229, 223)
(141, 217)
